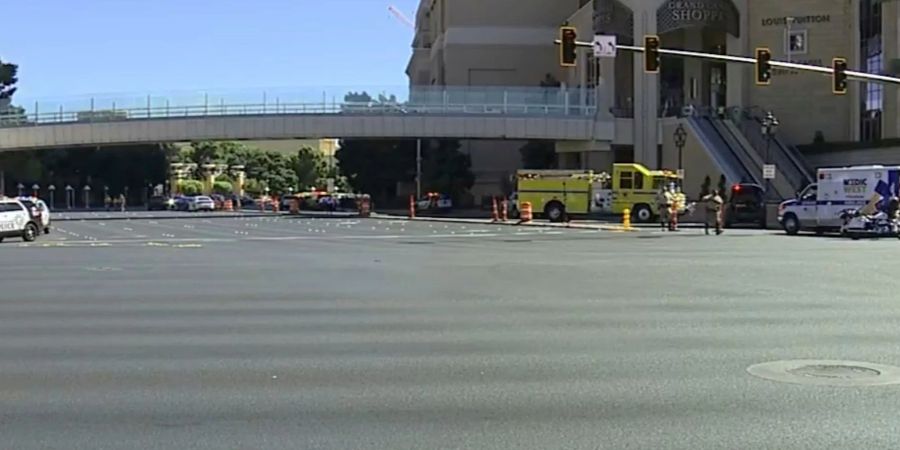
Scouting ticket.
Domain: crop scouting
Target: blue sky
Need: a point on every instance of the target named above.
(77, 47)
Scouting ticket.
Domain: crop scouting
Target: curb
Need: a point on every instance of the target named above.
(576, 226)
(173, 217)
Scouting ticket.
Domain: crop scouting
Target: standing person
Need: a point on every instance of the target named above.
(713, 203)
(675, 206)
(663, 201)
(122, 202)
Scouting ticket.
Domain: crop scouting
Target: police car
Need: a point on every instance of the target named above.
(17, 221)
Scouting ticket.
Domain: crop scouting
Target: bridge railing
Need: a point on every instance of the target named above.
(430, 100)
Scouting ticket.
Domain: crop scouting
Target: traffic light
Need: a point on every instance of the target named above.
(567, 54)
(839, 85)
(651, 54)
(763, 67)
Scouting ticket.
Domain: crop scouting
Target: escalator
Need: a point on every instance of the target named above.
(730, 159)
(741, 158)
(790, 163)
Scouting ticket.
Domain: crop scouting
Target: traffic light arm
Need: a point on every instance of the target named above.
(851, 74)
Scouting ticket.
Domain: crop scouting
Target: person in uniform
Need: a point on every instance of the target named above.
(674, 207)
(713, 203)
(663, 203)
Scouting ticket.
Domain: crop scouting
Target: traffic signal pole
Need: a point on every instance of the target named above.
(851, 74)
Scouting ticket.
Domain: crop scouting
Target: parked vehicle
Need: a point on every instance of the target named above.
(746, 205)
(39, 210)
(160, 203)
(201, 203)
(822, 206)
(16, 220)
(561, 193)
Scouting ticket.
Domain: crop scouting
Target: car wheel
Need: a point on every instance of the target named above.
(791, 224)
(642, 214)
(29, 234)
(555, 212)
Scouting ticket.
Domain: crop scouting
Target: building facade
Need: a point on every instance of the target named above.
(488, 43)
(509, 42)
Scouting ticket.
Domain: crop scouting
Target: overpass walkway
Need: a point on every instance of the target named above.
(428, 112)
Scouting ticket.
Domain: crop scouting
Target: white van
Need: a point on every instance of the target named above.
(17, 221)
(818, 207)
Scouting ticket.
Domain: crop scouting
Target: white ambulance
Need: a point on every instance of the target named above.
(818, 207)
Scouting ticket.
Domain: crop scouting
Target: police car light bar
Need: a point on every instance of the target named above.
(851, 74)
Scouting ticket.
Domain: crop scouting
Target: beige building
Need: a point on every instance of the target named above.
(508, 42)
(488, 43)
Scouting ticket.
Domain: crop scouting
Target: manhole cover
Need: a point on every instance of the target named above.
(827, 372)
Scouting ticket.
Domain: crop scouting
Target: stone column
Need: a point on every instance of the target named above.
(646, 92)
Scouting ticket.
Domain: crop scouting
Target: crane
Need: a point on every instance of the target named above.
(401, 17)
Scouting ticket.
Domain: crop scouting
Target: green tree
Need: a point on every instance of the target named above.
(310, 167)
(376, 166)
(190, 187)
(447, 170)
(8, 79)
(206, 152)
(357, 97)
(223, 187)
(538, 155)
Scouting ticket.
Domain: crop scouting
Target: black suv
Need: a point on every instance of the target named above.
(746, 205)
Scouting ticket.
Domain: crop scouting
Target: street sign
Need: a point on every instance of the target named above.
(769, 171)
(604, 46)
(680, 174)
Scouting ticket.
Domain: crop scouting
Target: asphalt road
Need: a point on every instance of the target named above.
(346, 333)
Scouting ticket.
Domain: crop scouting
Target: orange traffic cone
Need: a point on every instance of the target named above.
(494, 215)
(412, 206)
(504, 210)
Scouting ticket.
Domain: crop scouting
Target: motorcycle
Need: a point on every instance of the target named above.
(855, 225)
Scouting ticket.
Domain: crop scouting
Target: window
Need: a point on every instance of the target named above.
(638, 181)
(626, 180)
(10, 207)
(871, 102)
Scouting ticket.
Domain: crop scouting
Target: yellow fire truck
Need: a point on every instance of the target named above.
(557, 193)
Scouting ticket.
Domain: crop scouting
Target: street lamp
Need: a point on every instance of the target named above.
(680, 141)
(87, 197)
(769, 128)
(70, 196)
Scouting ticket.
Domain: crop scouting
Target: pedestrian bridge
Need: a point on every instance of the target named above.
(443, 112)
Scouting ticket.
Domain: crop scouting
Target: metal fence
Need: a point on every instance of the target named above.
(430, 100)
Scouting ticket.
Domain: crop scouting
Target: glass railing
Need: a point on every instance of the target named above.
(336, 100)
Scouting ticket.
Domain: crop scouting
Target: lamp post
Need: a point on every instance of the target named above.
(70, 196)
(769, 128)
(52, 189)
(87, 197)
(680, 141)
